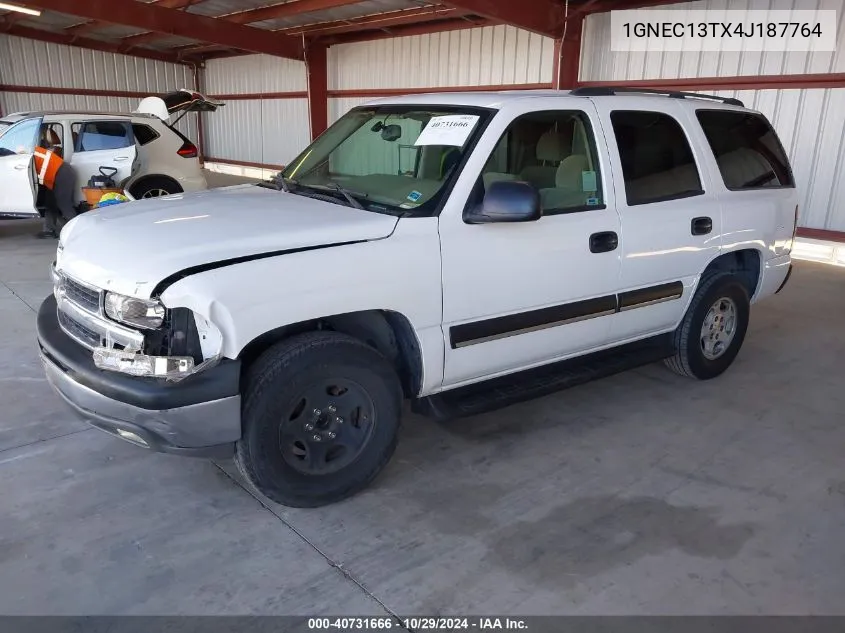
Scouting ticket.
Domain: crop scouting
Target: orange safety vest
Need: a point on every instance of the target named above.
(47, 163)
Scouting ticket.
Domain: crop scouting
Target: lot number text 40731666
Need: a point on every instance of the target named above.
(436, 624)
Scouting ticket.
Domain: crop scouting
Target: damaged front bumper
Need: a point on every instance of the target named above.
(199, 416)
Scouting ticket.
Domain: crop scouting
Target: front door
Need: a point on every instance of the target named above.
(671, 215)
(521, 295)
(18, 181)
(104, 147)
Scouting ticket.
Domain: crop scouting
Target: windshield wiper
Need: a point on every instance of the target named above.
(277, 182)
(348, 195)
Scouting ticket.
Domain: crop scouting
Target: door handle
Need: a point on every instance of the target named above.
(701, 226)
(121, 159)
(603, 242)
(21, 166)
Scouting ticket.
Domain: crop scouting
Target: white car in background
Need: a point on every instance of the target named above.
(150, 156)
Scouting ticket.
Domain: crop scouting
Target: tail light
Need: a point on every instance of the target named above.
(188, 150)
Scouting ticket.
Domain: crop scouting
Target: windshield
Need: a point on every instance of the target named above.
(388, 158)
(4, 126)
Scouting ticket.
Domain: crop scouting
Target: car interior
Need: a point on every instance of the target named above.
(553, 152)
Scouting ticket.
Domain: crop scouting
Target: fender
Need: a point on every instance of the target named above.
(248, 297)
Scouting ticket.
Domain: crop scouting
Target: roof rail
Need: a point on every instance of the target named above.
(602, 91)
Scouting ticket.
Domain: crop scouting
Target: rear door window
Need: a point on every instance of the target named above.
(747, 150)
(657, 160)
(93, 136)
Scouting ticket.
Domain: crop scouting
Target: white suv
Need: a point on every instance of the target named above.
(148, 156)
(462, 251)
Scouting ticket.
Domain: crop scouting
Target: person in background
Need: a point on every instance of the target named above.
(58, 182)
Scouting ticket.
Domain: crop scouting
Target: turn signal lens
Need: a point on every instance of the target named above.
(128, 362)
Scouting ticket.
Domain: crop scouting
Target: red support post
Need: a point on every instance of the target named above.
(316, 67)
(567, 61)
(198, 86)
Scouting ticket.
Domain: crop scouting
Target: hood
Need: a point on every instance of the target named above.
(130, 247)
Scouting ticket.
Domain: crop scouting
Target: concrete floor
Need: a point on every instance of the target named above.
(644, 493)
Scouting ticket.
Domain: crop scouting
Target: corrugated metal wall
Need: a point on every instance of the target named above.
(28, 62)
(488, 56)
(492, 55)
(268, 131)
(809, 122)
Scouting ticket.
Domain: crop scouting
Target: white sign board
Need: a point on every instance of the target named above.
(450, 129)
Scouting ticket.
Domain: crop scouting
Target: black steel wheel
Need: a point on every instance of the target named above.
(321, 415)
(329, 425)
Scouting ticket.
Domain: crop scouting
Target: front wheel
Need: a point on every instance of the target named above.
(711, 334)
(320, 419)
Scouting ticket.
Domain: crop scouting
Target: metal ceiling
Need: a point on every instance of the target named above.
(223, 26)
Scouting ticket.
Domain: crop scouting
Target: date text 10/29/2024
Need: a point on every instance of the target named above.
(417, 624)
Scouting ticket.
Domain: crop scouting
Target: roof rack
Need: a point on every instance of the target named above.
(602, 91)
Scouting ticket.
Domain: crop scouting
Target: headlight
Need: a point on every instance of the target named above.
(139, 312)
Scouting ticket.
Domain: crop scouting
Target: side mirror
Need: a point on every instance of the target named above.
(391, 132)
(507, 201)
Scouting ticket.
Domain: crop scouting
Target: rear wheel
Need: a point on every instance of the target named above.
(711, 334)
(155, 187)
(320, 419)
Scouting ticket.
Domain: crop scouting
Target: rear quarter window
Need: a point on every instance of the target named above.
(144, 133)
(747, 150)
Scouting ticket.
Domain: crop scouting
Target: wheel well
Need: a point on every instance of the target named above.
(389, 332)
(138, 184)
(745, 264)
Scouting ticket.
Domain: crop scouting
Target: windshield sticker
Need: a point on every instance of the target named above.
(405, 205)
(450, 129)
(588, 181)
(414, 196)
(591, 202)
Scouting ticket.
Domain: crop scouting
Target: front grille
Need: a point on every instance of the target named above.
(78, 331)
(83, 296)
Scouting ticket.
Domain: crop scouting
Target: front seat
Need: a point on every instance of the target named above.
(551, 148)
(568, 190)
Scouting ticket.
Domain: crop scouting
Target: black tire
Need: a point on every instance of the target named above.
(149, 186)
(275, 453)
(689, 358)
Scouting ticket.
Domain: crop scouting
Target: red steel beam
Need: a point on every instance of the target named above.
(288, 9)
(93, 25)
(567, 62)
(382, 21)
(821, 234)
(440, 26)
(316, 66)
(173, 22)
(540, 16)
(295, 7)
(82, 92)
(97, 45)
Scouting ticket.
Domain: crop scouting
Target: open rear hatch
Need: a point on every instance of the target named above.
(180, 101)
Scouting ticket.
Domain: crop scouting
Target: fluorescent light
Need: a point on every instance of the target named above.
(14, 7)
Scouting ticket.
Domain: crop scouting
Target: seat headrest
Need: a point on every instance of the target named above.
(551, 146)
(569, 173)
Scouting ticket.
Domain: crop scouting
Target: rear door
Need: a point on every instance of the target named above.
(18, 181)
(103, 146)
(671, 216)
